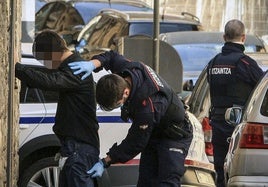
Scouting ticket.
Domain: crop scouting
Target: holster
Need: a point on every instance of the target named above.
(179, 130)
(217, 113)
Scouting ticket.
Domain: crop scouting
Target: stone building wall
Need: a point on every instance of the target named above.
(214, 14)
(255, 16)
(9, 121)
(3, 91)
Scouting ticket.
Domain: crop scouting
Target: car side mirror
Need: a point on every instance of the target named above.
(233, 115)
(188, 85)
(71, 36)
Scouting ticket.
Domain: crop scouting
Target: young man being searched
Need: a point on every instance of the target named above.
(76, 123)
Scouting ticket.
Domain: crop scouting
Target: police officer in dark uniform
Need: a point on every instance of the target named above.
(232, 75)
(76, 123)
(160, 128)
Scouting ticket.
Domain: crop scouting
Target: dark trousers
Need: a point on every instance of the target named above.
(81, 157)
(162, 163)
(220, 134)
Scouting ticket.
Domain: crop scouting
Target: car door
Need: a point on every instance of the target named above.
(37, 108)
(199, 101)
(32, 111)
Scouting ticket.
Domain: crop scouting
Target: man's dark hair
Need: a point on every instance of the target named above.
(109, 90)
(49, 41)
(234, 29)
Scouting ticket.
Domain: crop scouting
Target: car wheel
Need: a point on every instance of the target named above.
(44, 172)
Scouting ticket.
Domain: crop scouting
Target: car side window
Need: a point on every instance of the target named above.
(171, 27)
(34, 95)
(147, 28)
(200, 94)
(264, 106)
(105, 31)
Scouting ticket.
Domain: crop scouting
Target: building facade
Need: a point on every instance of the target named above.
(214, 14)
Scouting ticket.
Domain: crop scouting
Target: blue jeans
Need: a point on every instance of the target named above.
(81, 157)
(162, 163)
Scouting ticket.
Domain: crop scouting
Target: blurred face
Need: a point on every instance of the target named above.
(51, 60)
(42, 55)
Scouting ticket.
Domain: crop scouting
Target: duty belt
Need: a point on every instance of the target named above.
(218, 111)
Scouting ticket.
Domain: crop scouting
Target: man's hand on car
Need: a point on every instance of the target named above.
(97, 170)
(82, 67)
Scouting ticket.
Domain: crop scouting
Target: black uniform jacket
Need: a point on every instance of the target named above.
(232, 75)
(76, 109)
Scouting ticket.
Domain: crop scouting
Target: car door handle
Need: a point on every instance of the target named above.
(24, 126)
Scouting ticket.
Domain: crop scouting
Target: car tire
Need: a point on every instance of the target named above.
(42, 173)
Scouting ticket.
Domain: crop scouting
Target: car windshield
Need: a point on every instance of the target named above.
(147, 28)
(196, 56)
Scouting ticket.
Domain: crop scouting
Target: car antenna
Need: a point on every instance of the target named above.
(164, 10)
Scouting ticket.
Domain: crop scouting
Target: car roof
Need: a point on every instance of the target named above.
(186, 37)
(132, 16)
(94, 7)
(131, 2)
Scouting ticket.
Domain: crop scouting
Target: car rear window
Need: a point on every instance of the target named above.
(147, 28)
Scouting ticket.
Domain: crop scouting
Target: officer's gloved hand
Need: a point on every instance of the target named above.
(97, 170)
(82, 67)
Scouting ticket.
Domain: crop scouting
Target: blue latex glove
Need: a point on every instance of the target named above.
(82, 67)
(97, 170)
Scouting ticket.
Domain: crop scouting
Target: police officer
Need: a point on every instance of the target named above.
(232, 76)
(160, 128)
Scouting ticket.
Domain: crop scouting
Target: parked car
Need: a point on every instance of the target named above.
(63, 15)
(196, 49)
(104, 30)
(246, 159)
(67, 17)
(38, 144)
(199, 100)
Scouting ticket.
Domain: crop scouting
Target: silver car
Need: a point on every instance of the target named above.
(246, 161)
